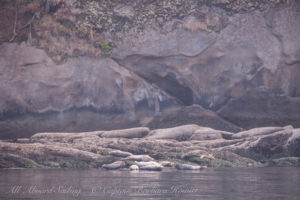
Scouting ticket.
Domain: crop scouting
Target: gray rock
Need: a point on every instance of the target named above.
(272, 144)
(153, 42)
(194, 114)
(242, 65)
(221, 77)
(103, 92)
(284, 25)
(265, 146)
(259, 109)
(124, 11)
(293, 144)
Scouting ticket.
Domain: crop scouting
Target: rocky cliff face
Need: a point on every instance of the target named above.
(87, 65)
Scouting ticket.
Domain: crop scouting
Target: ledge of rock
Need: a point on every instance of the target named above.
(265, 146)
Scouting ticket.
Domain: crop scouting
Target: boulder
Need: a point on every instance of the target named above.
(265, 147)
(119, 153)
(179, 133)
(139, 158)
(114, 165)
(138, 132)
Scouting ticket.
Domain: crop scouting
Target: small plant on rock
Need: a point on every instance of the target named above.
(105, 47)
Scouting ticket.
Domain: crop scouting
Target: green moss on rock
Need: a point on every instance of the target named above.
(200, 161)
(222, 163)
(105, 47)
(105, 160)
(285, 162)
(11, 160)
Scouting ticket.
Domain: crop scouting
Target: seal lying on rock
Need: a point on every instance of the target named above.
(210, 134)
(134, 167)
(151, 165)
(139, 158)
(259, 131)
(179, 133)
(119, 153)
(114, 165)
(199, 154)
(138, 132)
(189, 167)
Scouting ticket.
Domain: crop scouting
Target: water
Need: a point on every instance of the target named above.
(210, 184)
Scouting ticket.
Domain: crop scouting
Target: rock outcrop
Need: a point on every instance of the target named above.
(266, 146)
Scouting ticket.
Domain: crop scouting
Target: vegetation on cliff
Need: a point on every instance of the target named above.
(75, 27)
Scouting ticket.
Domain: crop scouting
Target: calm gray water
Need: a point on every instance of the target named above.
(210, 184)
